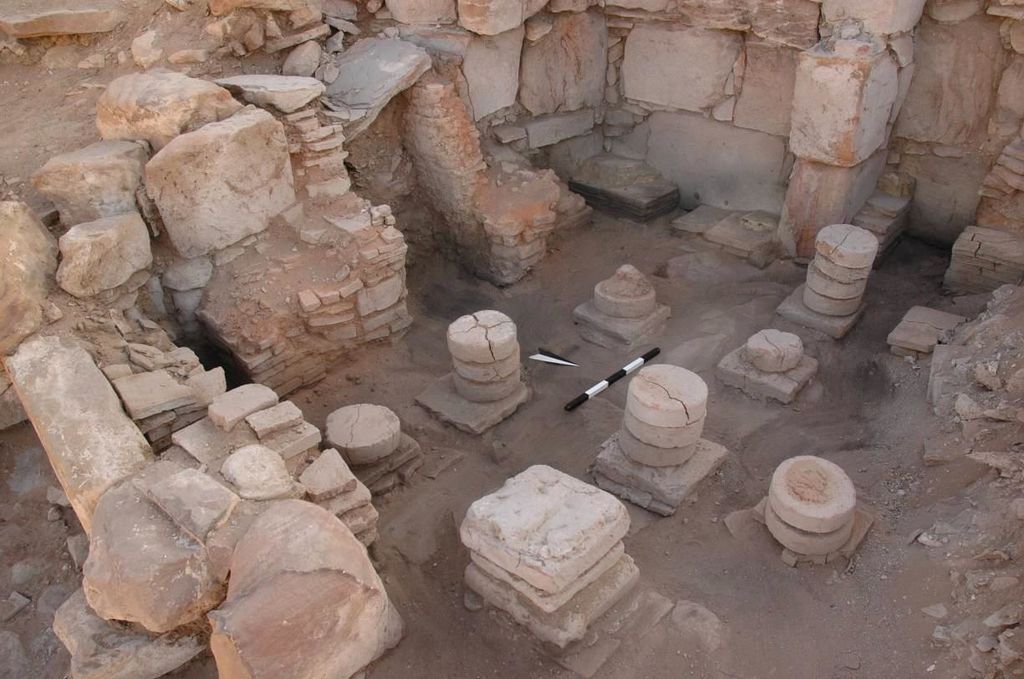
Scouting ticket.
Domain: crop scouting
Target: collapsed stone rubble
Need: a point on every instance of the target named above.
(547, 549)
(623, 311)
(658, 456)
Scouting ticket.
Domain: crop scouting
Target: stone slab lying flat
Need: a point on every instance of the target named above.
(444, 403)
(612, 333)
(37, 18)
(408, 450)
(920, 329)
(793, 309)
(546, 601)
(570, 622)
(545, 527)
(735, 371)
(233, 406)
(734, 235)
(151, 393)
(657, 489)
(207, 443)
(700, 219)
(641, 202)
(90, 441)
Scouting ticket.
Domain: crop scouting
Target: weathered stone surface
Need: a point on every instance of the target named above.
(920, 329)
(422, 11)
(627, 294)
(483, 337)
(953, 11)
(657, 58)
(716, 163)
(58, 17)
(221, 183)
(188, 274)
(370, 73)
(193, 500)
(805, 542)
(844, 94)
(222, 7)
(665, 395)
(258, 473)
(364, 432)
(142, 566)
(108, 650)
(490, 17)
(328, 476)
(150, 393)
(95, 182)
(11, 412)
(736, 370)
(274, 419)
(774, 351)
(812, 494)
(565, 69)
(208, 444)
(491, 68)
(90, 442)
(881, 17)
(303, 60)
(945, 194)
(766, 100)
(103, 254)
(286, 93)
(951, 105)
(28, 260)
(158, 106)
(794, 309)
(304, 601)
(847, 246)
(545, 527)
(442, 401)
(547, 130)
(231, 407)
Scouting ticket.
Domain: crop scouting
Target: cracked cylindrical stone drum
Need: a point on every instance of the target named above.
(664, 419)
(837, 277)
(774, 351)
(485, 356)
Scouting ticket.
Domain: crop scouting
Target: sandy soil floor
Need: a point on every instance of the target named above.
(866, 411)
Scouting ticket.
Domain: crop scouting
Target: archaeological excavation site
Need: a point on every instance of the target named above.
(512, 339)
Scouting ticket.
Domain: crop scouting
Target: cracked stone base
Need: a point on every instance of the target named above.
(862, 522)
(612, 333)
(735, 371)
(570, 622)
(657, 489)
(444, 403)
(793, 309)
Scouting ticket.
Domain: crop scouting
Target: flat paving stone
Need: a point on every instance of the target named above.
(444, 403)
(793, 309)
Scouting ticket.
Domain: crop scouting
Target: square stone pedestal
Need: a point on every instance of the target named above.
(657, 489)
(444, 403)
(736, 371)
(735, 234)
(612, 333)
(568, 623)
(793, 309)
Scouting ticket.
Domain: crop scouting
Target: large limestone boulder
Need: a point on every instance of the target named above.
(766, 100)
(90, 441)
(147, 562)
(491, 17)
(844, 95)
(286, 93)
(159, 105)
(28, 258)
(948, 105)
(95, 182)
(565, 69)
(101, 255)
(221, 183)
(423, 11)
(108, 650)
(659, 59)
(303, 600)
(491, 68)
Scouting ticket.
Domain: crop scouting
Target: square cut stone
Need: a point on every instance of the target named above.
(346, 502)
(657, 489)
(545, 601)
(408, 450)
(274, 419)
(612, 333)
(328, 476)
(920, 329)
(442, 401)
(193, 500)
(793, 309)
(207, 443)
(147, 394)
(700, 219)
(233, 406)
(292, 441)
(735, 371)
(545, 527)
(570, 622)
(735, 235)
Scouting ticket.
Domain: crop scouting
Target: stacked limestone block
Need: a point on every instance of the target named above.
(831, 300)
(658, 456)
(623, 311)
(547, 549)
(370, 438)
(330, 483)
(887, 216)
(811, 510)
(486, 384)
(772, 364)
(921, 330)
(985, 259)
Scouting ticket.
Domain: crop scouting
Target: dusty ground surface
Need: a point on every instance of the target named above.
(865, 411)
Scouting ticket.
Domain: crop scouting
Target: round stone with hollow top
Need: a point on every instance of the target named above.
(812, 494)
(627, 294)
(665, 395)
(484, 337)
(774, 351)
